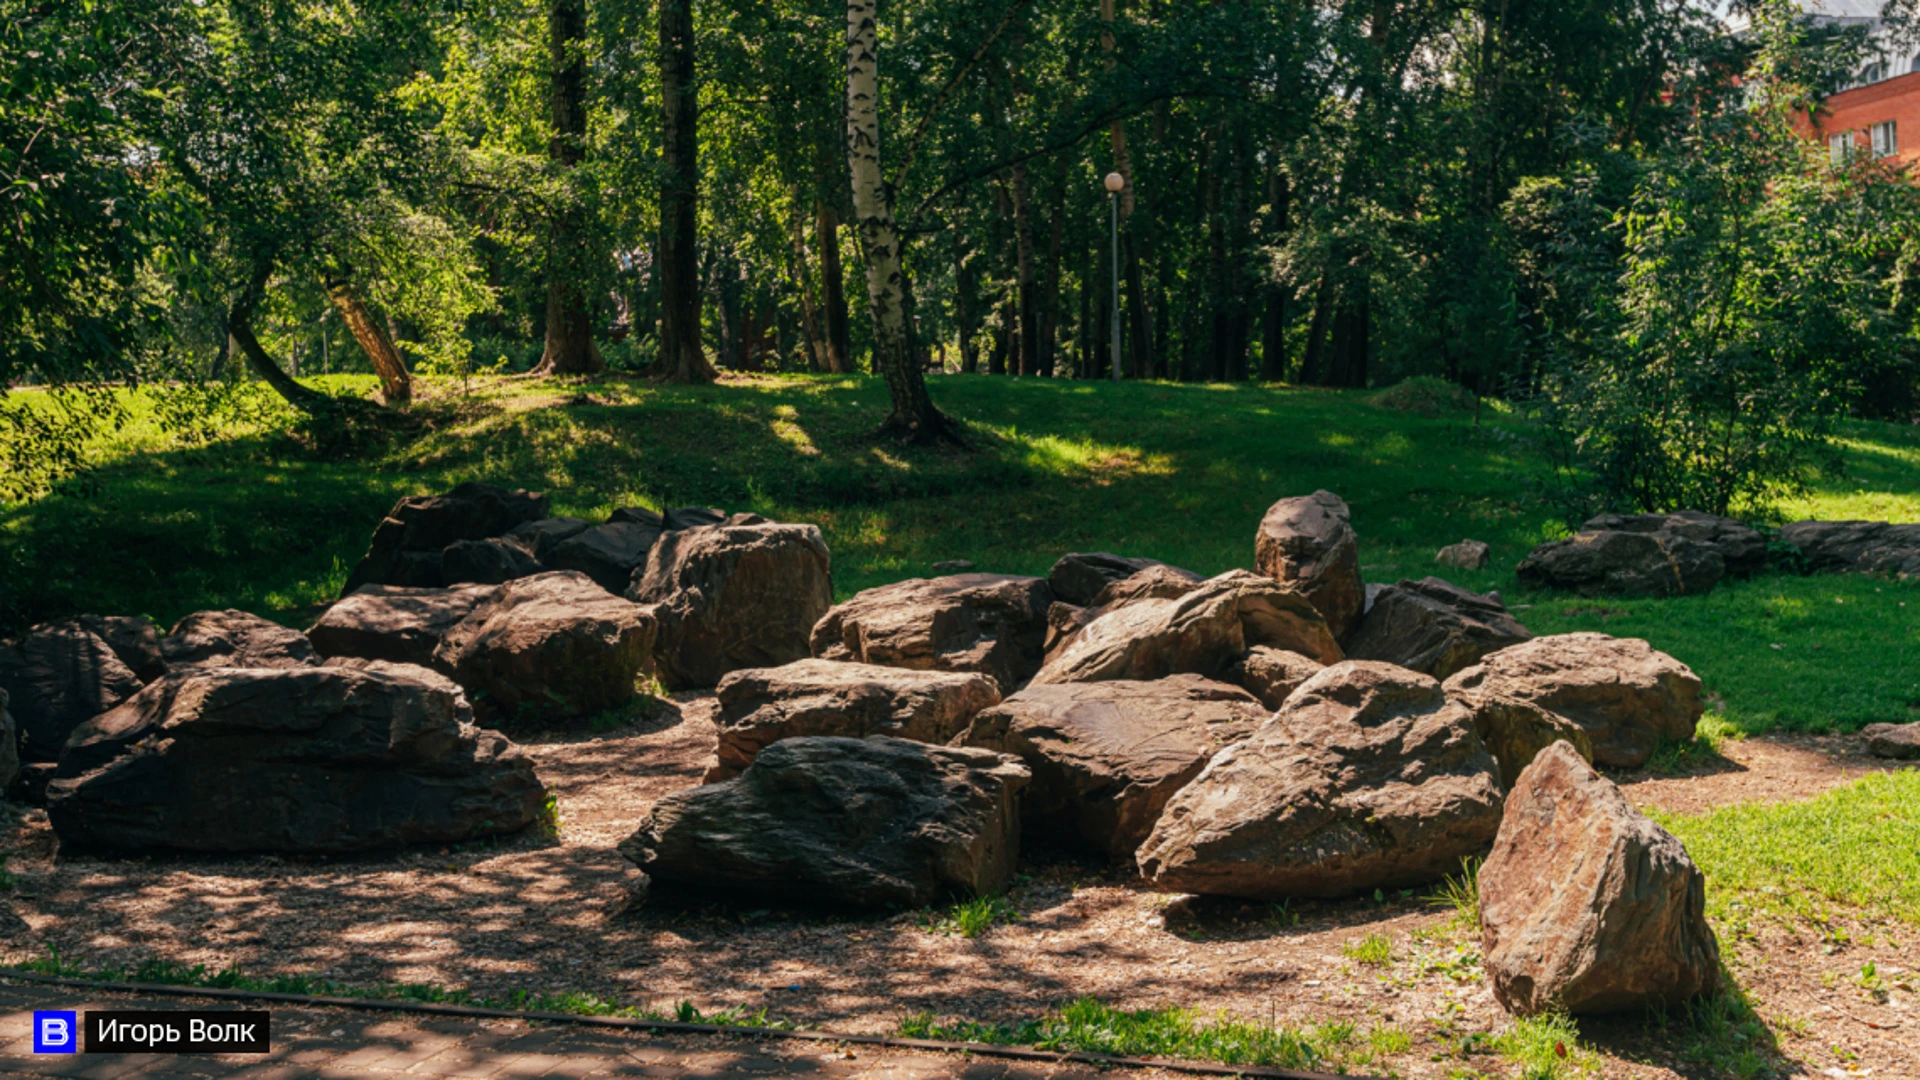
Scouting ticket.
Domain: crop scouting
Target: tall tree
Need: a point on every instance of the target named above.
(681, 359)
(570, 349)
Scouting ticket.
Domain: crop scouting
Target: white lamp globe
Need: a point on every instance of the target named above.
(1115, 182)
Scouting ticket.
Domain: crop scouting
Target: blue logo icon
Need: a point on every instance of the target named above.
(55, 1033)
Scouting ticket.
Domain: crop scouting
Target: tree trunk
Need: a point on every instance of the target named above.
(1312, 368)
(1140, 324)
(1050, 292)
(396, 386)
(913, 419)
(240, 328)
(826, 232)
(818, 350)
(1273, 346)
(681, 358)
(1023, 249)
(570, 349)
(963, 306)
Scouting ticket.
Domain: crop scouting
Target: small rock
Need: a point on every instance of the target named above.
(1308, 544)
(1465, 555)
(1078, 578)
(952, 566)
(1901, 742)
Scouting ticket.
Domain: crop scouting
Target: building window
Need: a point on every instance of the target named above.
(1915, 66)
(1840, 146)
(1870, 74)
(1885, 143)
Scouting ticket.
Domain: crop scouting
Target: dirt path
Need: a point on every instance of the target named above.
(1768, 768)
(531, 916)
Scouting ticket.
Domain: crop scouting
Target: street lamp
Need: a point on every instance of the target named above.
(1115, 185)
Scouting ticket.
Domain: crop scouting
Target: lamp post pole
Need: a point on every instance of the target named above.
(1115, 183)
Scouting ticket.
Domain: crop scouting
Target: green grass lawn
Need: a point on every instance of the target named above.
(1181, 473)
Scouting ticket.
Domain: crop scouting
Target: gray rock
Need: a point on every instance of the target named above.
(638, 515)
(875, 822)
(692, 517)
(1203, 632)
(761, 706)
(406, 546)
(952, 566)
(1465, 555)
(235, 639)
(1616, 562)
(387, 622)
(133, 639)
(1107, 756)
(1901, 742)
(486, 562)
(57, 677)
(1587, 906)
(1625, 695)
(1367, 778)
(303, 760)
(1433, 627)
(1742, 549)
(610, 554)
(995, 624)
(1272, 675)
(539, 538)
(552, 647)
(1307, 544)
(734, 596)
(1858, 546)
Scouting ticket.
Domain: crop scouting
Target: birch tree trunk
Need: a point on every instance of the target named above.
(913, 419)
(681, 358)
(396, 385)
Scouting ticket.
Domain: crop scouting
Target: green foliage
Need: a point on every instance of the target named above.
(1546, 1047)
(1374, 950)
(1087, 1025)
(1426, 395)
(972, 918)
(1461, 893)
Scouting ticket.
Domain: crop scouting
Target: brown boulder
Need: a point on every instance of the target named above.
(306, 760)
(1859, 546)
(761, 706)
(1157, 582)
(486, 562)
(388, 622)
(407, 544)
(235, 639)
(1079, 577)
(1465, 555)
(1203, 632)
(1587, 906)
(995, 624)
(1616, 562)
(549, 647)
(1900, 742)
(539, 538)
(1307, 544)
(133, 639)
(9, 745)
(734, 596)
(874, 822)
(1107, 756)
(1742, 549)
(1272, 675)
(1433, 627)
(610, 554)
(1623, 693)
(1367, 778)
(57, 677)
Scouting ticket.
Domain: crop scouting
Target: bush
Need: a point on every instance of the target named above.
(1426, 395)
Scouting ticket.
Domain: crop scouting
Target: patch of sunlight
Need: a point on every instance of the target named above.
(1393, 444)
(1788, 605)
(891, 461)
(1853, 506)
(787, 429)
(1337, 438)
(1908, 454)
(1098, 461)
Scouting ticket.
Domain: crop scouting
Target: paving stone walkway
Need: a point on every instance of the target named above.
(334, 1044)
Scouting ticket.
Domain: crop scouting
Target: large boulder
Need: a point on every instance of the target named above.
(1367, 778)
(1107, 756)
(1742, 549)
(995, 624)
(1203, 632)
(1625, 563)
(539, 538)
(554, 646)
(390, 622)
(57, 677)
(1622, 692)
(875, 822)
(408, 544)
(1307, 544)
(305, 760)
(235, 639)
(734, 596)
(1157, 582)
(1272, 675)
(761, 706)
(1078, 578)
(1434, 627)
(133, 639)
(1587, 906)
(610, 554)
(1862, 546)
(9, 745)
(1900, 742)
(486, 562)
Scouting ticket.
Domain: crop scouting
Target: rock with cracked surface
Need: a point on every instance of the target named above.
(1434, 627)
(872, 823)
(1587, 906)
(1272, 675)
(734, 596)
(995, 624)
(1107, 756)
(1858, 546)
(761, 706)
(610, 554)
(1624, 694)
(1368, 778)
(551, 647)
(1078, 578)
(1307, 544)
(57, 677)
(1203, 632)
(1616, 562)
(407, 544)
(1742, 549)
(307, 760)
(394, 623)
(235, 639)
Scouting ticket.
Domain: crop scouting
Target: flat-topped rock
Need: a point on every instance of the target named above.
(551, 647)
(1078, 578)
(761, 706)
(306, 760)
(734, 596)
(1622, 563)
(390, 622)
(1367, 778)
(1587, 906)
(1742, 549)
(610, 554)
(1433, 627)
(235, 639)
(1107, 756)
(407, 545)
(486, 562)
(1307, 544)
(1900, 742)
(875, 823)
(995, 624)
(1858, 546)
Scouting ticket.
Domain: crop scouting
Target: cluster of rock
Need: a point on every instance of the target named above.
(1873, 547)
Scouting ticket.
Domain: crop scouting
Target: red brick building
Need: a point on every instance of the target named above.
(1881, 118)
